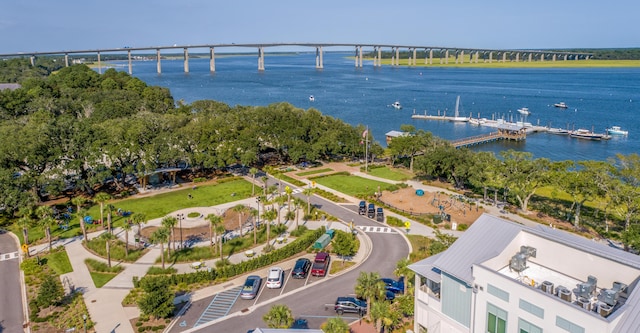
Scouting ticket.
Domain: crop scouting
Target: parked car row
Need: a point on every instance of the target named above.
(275, 276)
(371, 211)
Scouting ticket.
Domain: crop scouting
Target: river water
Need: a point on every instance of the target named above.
(597, 97)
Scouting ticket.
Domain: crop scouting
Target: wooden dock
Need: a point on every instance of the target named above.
(490, 137)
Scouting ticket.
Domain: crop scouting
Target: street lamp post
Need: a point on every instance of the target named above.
(84, 320)
(180, 218)
(258, 217)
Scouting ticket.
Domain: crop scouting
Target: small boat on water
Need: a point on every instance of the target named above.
(616, 130)
(559, 131)
(397, 105)
(588, 135)
(561, 105)
(311, 98)
(524, 111)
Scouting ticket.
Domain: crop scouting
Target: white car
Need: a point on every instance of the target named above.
(275, 277)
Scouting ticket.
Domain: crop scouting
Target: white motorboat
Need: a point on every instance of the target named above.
(616, 130)
(397, 105)
(561, 105)
(524, 111)
(311, 98)
(588, 135)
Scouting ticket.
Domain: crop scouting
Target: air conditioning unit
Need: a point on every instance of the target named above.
(609, 296)
(586, 289)
(518, 262)
(604, 309)
(584, 303)
(564, 294)
(547, 287)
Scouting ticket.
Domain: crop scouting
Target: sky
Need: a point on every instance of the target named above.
(38, 26)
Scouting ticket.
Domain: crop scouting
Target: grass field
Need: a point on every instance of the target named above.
(392, 174)
(313, 172)
(353, 185)
(100, 279)
(59, 262)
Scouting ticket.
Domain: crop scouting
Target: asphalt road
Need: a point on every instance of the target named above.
(11, 316)
(309, 302)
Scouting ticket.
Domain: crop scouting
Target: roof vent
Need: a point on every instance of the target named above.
(586, 289)
(518, 262)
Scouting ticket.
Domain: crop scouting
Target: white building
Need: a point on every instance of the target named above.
(500, 276)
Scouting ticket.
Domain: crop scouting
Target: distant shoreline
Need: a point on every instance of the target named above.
(420, 62)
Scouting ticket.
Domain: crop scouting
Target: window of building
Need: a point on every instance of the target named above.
(497, 292)
(496, 319)
(532, 309)
(568, 326)
(527, 327)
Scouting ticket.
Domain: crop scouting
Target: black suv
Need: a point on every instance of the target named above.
(371, 211)
(301, 268)
(380, 214)
(362, 209)
(350, 304)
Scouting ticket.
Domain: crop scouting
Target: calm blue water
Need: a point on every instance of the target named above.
(597, 98)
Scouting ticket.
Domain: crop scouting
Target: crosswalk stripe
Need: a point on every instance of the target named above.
(9, 256)
(376, 229)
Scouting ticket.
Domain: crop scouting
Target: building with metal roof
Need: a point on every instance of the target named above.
(501, 276)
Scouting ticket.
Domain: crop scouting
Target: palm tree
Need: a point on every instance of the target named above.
(370, 287)
(220, 229)
(269, 216)
(78, 202)
(265, 179)
(288, 190)
(108, 238)
(214, 222)
(403, 270)
(139, 219)
(280, 201)
(254, 217)
(47, 223)
(45, 214)
(253, 172)
(279, 316)
(297, 202)
(160, 236)
(381, 314)
(335, 325)
(308, 192)
(110, 209)
(291, 216)
(101, 198)
(170, 222)
(126, 227)
(240, 209)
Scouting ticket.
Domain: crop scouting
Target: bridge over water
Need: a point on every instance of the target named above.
(443, 54)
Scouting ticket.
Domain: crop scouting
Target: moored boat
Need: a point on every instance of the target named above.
(561, 105)
(616, 130)
(587, 135)
(524, 111)
(311, 98)
(397, 105)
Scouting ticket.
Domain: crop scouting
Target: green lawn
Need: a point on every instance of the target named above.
(391, 173)
(100, 279)
(152, 206)
(313, 172)
(59, 262)
(353, 185)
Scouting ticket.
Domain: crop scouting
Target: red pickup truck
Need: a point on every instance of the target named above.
(320, 264)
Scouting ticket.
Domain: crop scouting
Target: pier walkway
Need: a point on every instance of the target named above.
(490, 137)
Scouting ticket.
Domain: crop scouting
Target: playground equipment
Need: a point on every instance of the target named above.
(419, 192)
